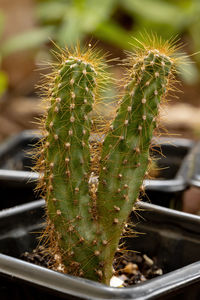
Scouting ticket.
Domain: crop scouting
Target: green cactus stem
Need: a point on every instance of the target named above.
(65, 162)
(90, 188)
(125, 152)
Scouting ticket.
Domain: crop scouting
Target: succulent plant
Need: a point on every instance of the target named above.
(91, 184)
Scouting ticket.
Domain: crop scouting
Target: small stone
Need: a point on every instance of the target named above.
(148, 260)
(116, 281)
(158, 272)
(131, 268)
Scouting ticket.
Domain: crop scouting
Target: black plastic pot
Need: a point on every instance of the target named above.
(174, 165)
(170, 235)
(17, 182)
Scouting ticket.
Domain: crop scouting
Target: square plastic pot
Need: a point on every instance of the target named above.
(17, 182)
(171, 236)
(173, 158)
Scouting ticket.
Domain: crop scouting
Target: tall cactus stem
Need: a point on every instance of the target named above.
(125, 152)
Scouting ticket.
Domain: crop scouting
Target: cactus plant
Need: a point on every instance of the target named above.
(90, 188)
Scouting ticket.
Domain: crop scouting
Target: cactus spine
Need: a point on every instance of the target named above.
(85, 220)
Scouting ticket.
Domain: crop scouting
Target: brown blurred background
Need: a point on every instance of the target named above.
(26, 27)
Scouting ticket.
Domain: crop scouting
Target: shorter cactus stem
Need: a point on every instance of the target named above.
(72, 226)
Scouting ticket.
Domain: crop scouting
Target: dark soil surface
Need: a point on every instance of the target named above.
(131, 267)
(134, 267)
(38, 257)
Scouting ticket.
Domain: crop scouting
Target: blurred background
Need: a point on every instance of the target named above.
(27, 26)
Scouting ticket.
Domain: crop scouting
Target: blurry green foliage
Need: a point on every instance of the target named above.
(69, 21)
(73, 20)
(26, 40)
(3, 82)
